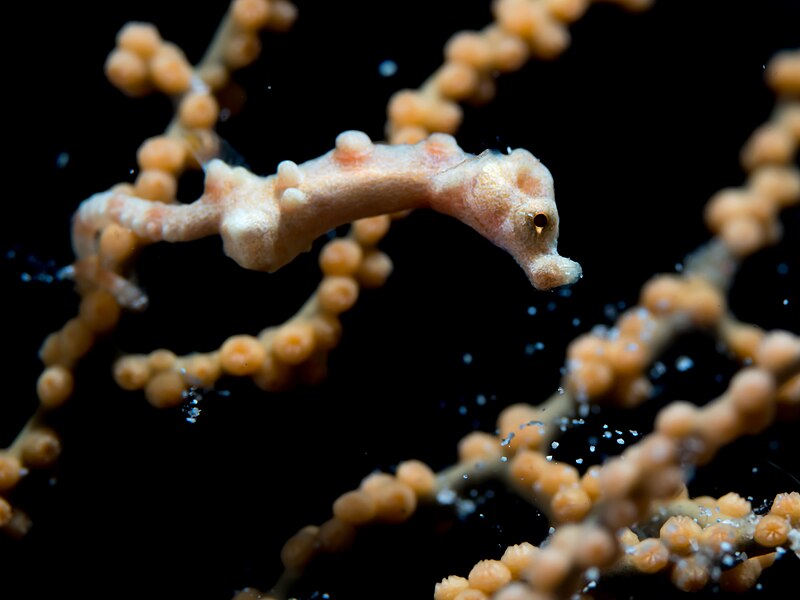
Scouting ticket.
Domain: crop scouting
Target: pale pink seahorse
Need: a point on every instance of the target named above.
(265, 222)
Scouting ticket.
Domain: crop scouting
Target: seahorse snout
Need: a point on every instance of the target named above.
(549, 271)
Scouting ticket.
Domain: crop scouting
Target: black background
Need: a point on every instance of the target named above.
(639, 122)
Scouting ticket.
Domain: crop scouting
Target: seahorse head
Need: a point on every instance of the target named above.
(513, 204)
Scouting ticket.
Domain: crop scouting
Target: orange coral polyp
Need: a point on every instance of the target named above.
(241, 355)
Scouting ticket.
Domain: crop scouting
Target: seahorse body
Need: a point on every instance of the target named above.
(265, 222)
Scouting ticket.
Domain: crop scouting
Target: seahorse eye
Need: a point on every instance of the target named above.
(537, 221)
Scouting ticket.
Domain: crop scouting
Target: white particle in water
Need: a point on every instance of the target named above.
(387, 68)
(658, 369)
(446, 497)
(610, 311)
(465, 508)
(684, 363)
(531, 348)
(531, 310)
(727, 560)
(192, 414)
